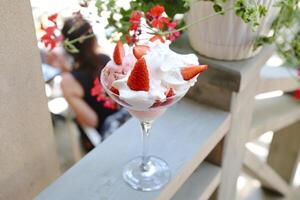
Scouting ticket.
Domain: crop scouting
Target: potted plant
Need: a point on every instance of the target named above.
(227, 36)
(222, 33)
(223, 29)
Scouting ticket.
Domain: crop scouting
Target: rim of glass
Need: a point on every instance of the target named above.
(111, 93)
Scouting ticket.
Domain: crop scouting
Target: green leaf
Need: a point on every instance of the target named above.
(262, 11)
(72, 48)
(217, 8)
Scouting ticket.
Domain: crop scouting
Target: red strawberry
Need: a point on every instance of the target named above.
(156, 104)
(169, 93)
(119, 53)
(157, 37)
(139, 77)
(192, 71)
(140, 50)
(114, 90)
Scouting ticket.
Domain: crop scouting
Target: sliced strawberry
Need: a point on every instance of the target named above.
(114, 90)
(170, 93)
(140, 50)
(119, 53)
(192, 71)
(139, 77)
(156, 104)
(157, 37)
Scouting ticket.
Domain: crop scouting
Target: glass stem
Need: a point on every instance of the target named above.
(146, 126)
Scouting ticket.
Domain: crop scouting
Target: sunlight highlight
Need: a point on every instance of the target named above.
(267, 95)
(241, 182)
(58, 105)
(256, 149)
(274, 61)
(266, 137)
(48, 90)
(296, 181)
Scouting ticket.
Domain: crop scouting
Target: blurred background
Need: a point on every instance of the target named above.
(67, 134)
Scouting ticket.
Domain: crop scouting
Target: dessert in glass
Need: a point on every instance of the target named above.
(146, 79)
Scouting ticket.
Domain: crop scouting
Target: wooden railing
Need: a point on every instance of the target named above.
(190, 138)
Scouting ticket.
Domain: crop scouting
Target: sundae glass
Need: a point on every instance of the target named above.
(146, 79)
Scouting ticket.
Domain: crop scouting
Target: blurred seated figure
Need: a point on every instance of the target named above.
(77, 84)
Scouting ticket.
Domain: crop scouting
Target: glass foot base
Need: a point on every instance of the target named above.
(152, 176)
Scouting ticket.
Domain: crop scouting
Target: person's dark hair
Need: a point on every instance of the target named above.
(87, 56)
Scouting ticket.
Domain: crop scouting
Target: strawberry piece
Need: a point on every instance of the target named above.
(119, 53)
(140, 50)
(170, 93)
(157, 37)
(139, 77)
(190, 72)
(114, 90)
(156, 104)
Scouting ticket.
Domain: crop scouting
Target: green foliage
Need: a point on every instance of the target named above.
(218, 5)
(248, 10)
(172, 7)
(69, 46)
(285, 32)
(250, 13)
(291, 50)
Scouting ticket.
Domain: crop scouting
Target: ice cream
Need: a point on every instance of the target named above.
(147, 75)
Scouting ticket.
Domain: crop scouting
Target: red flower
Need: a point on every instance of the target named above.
(97, 89)
(297, 94)
(156, 11)
(134, 27)
(53, 17)
(98, 92)
(155, 19)
(173, 34)
(110, 104)
(135, 20)
(129, 40)
(49, 30)
(160, 22)
(148, 16)
(49, 41)
(49, 38)
(135, 17)
(172, 25)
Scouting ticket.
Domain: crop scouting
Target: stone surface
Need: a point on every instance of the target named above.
(28, 161)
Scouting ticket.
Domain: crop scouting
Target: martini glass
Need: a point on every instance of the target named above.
(145, 172)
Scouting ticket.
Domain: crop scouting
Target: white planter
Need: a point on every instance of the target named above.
(225, 37)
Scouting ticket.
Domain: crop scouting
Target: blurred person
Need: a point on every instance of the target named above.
(77, 84)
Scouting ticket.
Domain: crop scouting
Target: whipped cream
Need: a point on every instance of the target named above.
(164, 66)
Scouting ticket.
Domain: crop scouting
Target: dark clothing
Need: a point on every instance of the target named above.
(86, 75)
